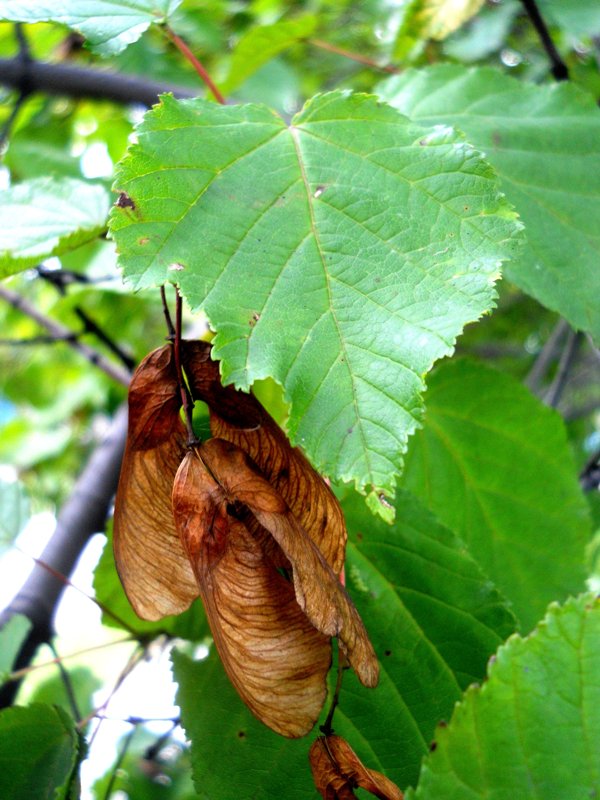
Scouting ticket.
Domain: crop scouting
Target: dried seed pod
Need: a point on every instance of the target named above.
(275, 658)
(337, 771)
(151, 562)
(224, 510)
(239, 418)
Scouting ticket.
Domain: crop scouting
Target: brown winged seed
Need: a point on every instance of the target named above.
(337, 771)
(153, 567)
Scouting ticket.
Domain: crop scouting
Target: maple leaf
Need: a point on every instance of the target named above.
(337, 771)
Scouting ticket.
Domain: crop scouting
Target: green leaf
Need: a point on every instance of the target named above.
(340, 256)
(109, 591)
(543, 141)
(108, 25)
(12, 636)
(434, 620)
(436, 19)
(578, 17)
(494, 464)
(51, 690)
(262, 43)
(46, 217)
(14, 512)
(38, 752)
(230, 748)
(533, 728)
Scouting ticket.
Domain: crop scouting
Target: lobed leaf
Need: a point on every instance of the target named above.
(341, 255)
(108, 25)
(542, 140)
(153, 567)
(46, 217)
(533, 728)
(504, 480)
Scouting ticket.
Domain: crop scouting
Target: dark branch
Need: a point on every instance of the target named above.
(83, 514)
(559, 68)
(72, 81)
(565, 365)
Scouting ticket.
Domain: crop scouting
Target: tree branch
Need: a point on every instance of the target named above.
(72, 81)
(559, 68)
(61, 333)
(83, 514)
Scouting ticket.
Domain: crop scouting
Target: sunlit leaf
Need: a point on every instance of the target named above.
(578, 17)
(533, 728)
(542, 140)
(108, 25)
(495, 466)
(45, 217)
(262, 43)
(389, 239)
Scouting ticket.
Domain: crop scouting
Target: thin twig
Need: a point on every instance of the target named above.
(559, 68)
(22, 673)
(154, 749)
(122, 753)
(11, 119)
(67, 582)
(546, 356)
(114, 371)
(566, 362)
(186, 397)
(167, 313)
(326, 727)
(185, 50)
(368, 62)
(67, 682)
(60, 283)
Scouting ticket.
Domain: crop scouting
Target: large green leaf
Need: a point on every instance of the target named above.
(262, 43)
(341, 255)
(533, 729)
(14, 512)
(45, 217)
(434, 620)
(495, 466)
(108, 25)
(38, 752)
(543, 141)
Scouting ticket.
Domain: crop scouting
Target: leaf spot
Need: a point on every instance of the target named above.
(254, 319)
(318, 191)
(124, 201)
(176, 267)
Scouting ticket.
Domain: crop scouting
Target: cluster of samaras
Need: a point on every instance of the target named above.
(243, 521)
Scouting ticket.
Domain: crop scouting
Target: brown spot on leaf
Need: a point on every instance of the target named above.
(124, 201)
